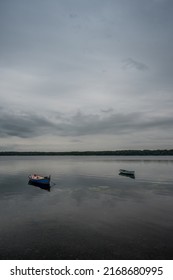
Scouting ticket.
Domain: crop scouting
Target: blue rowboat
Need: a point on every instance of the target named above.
(39, 179)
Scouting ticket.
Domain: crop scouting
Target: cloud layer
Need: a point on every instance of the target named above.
(24, 125)
(75, 70)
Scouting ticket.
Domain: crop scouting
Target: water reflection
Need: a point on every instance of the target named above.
(91, 212)
(41, 186)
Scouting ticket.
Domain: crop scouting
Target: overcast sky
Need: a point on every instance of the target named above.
(86, 74)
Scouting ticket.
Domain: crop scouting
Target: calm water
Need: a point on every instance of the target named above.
(91, 212)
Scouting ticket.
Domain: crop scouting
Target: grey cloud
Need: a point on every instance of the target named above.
(109, 110)
(22, 125)
(28, 126)
(114, 124)
(130, 63)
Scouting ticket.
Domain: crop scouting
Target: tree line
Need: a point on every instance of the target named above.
(91, 153)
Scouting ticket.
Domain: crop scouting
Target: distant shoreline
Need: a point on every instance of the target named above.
(92, 153)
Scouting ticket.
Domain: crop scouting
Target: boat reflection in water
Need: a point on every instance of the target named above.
(41, 186)
(127, 173)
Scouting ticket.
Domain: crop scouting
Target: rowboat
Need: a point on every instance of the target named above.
(41, 180)
(127, 172)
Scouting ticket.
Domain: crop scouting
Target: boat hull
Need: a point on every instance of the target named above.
(41, 186)
(126, 172)
(127, 175)
(39, 180)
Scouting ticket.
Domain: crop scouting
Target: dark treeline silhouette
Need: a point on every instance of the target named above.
(91, 153)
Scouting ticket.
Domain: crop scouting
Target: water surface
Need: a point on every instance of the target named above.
(91, 212)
